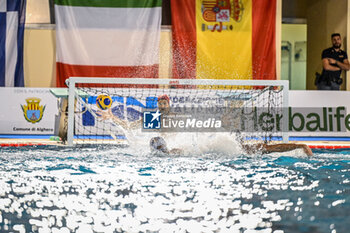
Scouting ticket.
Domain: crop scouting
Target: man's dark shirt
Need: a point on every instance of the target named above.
(339, 56)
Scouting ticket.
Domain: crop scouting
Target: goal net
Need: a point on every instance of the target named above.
(106, 110)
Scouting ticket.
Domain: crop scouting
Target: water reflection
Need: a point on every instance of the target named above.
(110, 190)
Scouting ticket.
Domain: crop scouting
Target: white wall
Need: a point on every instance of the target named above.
(295, 33)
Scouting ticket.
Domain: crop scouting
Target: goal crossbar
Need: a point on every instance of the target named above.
(149, 81)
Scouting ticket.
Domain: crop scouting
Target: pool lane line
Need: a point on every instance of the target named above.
(329, 146)
(21, 144)
(24, 136)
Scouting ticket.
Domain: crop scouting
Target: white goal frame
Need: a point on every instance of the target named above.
(71, 83)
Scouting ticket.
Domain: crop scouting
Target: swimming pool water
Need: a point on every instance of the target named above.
(114, 190)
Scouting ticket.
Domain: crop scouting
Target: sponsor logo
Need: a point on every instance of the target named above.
(33, 112)
(191, 123)
(326, 119)
(152, 120)
(178, 123)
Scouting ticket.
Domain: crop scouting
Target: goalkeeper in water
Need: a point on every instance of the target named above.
(158, 144)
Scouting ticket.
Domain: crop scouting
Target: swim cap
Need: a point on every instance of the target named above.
(164, 97)
(158, 144)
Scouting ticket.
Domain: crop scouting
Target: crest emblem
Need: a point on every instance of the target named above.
(220, 12)
(33, 112)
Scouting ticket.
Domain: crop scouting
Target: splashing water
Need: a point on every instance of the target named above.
(190, 143)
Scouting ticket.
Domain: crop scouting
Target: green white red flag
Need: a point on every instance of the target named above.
(107, 38)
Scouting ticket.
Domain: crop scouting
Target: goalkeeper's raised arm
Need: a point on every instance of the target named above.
(163, 102)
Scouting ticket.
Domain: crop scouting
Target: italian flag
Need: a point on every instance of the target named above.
(107, 38)
(224, 39)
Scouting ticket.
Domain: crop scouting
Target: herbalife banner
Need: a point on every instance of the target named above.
(27, 111)
(319, 113)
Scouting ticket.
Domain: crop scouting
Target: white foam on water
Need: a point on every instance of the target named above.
(191, 143)
(222, 143)
(197, 144)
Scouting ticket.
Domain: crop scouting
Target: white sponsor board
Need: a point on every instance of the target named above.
(319, 113)
(27, 111)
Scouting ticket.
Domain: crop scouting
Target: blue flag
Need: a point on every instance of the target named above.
(12, 19)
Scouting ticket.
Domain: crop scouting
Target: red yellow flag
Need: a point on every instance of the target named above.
(224, 39)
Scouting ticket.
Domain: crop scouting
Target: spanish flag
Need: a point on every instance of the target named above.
(224, 39)
(107, 38)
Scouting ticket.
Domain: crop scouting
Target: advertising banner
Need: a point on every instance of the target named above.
(27, 111)
(319, 113)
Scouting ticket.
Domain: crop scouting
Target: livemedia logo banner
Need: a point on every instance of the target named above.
(252, 120)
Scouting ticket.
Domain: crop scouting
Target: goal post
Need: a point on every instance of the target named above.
(252, 94)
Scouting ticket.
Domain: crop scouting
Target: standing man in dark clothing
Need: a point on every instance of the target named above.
(334, 60)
